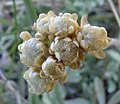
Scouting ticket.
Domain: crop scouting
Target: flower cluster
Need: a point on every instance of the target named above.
(58, 42)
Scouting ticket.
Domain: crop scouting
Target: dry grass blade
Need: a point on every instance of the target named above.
(114, 11)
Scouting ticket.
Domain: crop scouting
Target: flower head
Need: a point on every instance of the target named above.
(67, 51)
(58, 42)
(32, 50)
(64, 24)
(37, 85)
(53, 69)
(43, 22)
(93, 39)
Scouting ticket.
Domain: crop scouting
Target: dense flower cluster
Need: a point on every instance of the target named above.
(58, 42)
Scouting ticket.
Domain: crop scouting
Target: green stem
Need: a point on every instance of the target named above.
(15, 16)
(30, 10)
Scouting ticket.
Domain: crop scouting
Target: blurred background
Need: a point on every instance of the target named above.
(97, 82)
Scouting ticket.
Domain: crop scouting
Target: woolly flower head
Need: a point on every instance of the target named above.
(93, 39)
(37, 85)
(32, 51)
(59, 42)
(67, 51)
(43, 22)
(53, 69)
(64, 24)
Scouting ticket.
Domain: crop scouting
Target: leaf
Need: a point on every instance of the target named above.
(100, 2)
(10, 33)
(100, 91)
(115, 98)
(69, 4)
(115, 55)
(77, 101)
(111, 86)
(46, 99)
(6, 42)
(56, 96)
(5, 21)
(73, 76)
(34, 99)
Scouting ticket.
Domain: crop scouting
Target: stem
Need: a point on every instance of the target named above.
(15, 18)
(114, 11)
(30, 10)
(119, 5)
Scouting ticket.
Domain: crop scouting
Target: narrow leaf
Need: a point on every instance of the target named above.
(115, 98)
(99, 89)
(55, 96)
(77, 101)
(115, 55)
